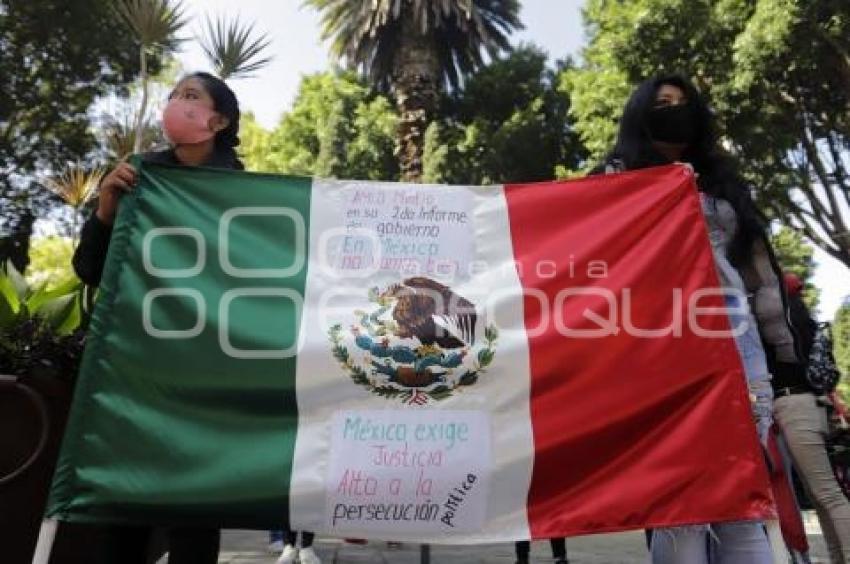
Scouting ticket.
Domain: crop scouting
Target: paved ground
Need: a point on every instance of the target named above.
(249, 547)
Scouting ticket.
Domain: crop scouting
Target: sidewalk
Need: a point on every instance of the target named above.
(249, 547)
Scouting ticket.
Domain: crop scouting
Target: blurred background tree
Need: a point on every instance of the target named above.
(50, 261)
(84, 102)
(796, 255)
(778, 75)
(337, 127)
(412, 49)
(509, 122)
(44, 112)
(841, 341)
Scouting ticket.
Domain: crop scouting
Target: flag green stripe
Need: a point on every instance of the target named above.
(160, 432)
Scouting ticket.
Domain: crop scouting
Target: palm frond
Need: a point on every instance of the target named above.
(155, 23)
(233, 49)
(367, 34)
(76, 186)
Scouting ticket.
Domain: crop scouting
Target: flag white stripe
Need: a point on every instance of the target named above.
(502, 392)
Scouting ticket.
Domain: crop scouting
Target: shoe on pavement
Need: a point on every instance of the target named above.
(309, 556)
(275, 547)
(288, 555)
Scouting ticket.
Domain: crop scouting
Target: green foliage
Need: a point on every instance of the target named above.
(55, 60)
(796, 255)
(778, 75)
(841, 336)
(413, 48)
(597, 101)
(50, 262)
(61, 306)
(41, 329)
(841, 342)
(31, 348)
(337, 128)
(254, 149)
(509, 123)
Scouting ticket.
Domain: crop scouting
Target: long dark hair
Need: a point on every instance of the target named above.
(718, 175)
(226, 104)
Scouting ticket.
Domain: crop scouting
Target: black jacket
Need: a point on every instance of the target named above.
(794, 376)
(90, 256)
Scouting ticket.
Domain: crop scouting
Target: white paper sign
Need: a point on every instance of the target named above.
(404, 230)
(408, 470)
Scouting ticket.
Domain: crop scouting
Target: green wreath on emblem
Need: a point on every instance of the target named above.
(408, 370)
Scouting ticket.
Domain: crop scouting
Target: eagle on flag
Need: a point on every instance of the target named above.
(432, 313)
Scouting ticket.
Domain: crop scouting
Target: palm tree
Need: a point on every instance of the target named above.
(232, 50)
(156, 24)
(413, 48)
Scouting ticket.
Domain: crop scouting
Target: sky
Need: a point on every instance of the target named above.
(554, 25)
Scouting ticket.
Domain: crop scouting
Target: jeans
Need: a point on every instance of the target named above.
(804, 426)
(740, 542)
(755, 366)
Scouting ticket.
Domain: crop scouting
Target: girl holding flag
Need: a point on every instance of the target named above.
(201, 123)
(666, 121)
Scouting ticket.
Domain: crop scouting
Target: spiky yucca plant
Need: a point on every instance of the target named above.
(76, 187)
(155, 24)
(233, 49)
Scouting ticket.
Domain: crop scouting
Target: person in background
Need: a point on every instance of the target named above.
(276, 541)
(201, 123)
(666, 121)
(803, 421)
(292, 553)
(559, 551)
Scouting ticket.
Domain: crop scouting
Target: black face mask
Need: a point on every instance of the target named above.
(671, 124)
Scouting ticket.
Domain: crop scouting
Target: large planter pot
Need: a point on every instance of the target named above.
(33, 412)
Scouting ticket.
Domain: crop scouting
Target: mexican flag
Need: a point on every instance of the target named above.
(453, 364)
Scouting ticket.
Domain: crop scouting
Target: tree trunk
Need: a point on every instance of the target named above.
(143, 107)
(15, 247)
(416, 87)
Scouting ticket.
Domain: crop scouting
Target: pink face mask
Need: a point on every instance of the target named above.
(187, 123)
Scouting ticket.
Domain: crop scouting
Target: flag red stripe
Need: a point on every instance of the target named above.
(629, 431)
